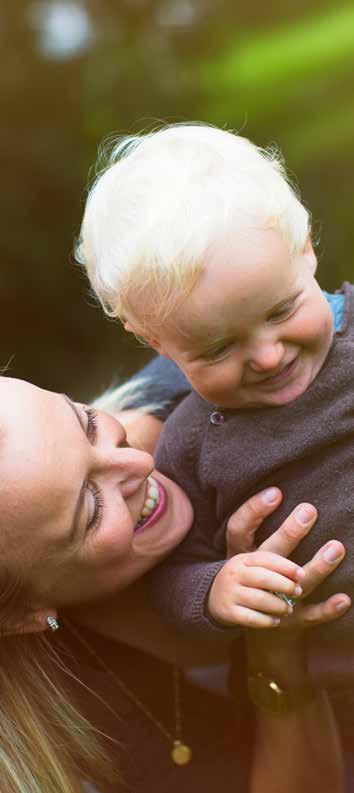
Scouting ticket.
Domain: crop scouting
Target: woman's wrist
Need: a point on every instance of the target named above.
(278, 682)
(278, 656)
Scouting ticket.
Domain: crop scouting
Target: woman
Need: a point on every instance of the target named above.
(73, 496)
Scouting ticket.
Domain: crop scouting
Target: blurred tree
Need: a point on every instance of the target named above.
(74, 71)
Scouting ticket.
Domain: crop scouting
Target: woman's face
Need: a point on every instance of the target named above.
(78, 510)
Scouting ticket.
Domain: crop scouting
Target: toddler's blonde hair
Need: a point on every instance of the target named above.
(163, 199)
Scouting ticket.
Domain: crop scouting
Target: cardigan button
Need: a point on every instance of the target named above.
(216, 418)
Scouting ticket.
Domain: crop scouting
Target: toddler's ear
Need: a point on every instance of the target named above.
(310, 255)
(127, 326)
(154, 343)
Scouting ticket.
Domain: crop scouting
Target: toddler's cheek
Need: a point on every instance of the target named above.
(313, 329)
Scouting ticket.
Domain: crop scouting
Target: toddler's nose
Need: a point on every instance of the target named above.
(266, 357)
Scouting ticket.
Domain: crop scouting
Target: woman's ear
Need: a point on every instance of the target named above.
(34, 622)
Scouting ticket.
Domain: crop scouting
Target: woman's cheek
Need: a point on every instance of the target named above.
(108, 541)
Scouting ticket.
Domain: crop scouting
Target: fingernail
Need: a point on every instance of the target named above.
(276, 621)
(304, 514)
(270, 495)
(290, 610)
(341, 605)
(298, 591)
(332, 553)
(300, 573)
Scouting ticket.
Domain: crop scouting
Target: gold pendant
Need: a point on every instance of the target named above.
(181, 754)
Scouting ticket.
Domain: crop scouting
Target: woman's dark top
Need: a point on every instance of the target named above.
(142, 753)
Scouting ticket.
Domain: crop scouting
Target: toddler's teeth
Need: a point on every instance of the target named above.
(150, 503)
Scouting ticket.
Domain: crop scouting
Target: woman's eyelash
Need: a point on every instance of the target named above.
(98, 507)
(91, 424)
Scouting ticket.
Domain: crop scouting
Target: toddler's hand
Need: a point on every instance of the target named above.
(242, 592)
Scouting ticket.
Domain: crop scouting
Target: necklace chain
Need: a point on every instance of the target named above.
(181, 754)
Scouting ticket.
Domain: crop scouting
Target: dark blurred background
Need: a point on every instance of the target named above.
(74, 71)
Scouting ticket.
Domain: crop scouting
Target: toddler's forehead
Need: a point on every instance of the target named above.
(240, 277)
(190, 329)
(217, 305)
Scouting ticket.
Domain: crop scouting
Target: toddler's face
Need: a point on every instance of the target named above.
(256, 329)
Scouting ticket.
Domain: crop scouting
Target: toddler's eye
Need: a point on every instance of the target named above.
(282, 313)
(217, 352)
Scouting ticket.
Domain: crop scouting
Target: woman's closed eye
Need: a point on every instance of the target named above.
(96, 507)
(91, 426)
(96, 501)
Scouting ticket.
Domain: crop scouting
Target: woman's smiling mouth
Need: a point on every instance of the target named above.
(154, 504)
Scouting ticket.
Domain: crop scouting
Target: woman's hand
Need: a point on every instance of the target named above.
(281, 650)
(299, 750)
(317, 570)
(243, 524)
(242, 527)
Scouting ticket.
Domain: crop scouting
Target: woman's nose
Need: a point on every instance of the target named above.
(126, 467)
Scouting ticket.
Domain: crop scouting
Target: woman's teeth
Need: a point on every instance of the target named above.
(152, 500)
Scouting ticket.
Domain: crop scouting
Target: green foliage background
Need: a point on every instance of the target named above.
(282, 73)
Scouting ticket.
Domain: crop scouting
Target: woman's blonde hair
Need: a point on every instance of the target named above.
(46, 744)
(163, 199)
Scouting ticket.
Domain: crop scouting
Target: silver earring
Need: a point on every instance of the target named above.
(53, 623)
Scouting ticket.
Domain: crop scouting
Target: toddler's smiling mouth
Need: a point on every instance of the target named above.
(278, 378)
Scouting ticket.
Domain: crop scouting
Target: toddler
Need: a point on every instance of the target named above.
(195, 239)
